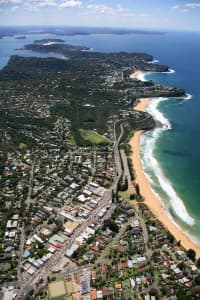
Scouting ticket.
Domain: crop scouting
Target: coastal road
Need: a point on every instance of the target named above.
(126, 168)
(118, 162)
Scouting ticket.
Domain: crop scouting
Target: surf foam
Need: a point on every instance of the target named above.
(187, 97)
(141, 76)
(151, 165)
(154, 61)
(171, 71)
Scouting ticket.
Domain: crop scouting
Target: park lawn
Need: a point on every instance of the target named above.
(126, 194)
(69, 287)
(22, 146)
(57, 290)
(94, 137)
(58, 298)
(126, 284)
(72, 140)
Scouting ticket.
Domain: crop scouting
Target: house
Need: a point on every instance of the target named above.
(67, 216)
(93, 294)
(85, 287)
(56, 240)
(26, 254)
(72, 249)
(194, 269)
(93, 275)
(141, 260)
(31, 271)
(99, 294)
(87, 192)
(70, 227)
(132, 283)
(74, 186)
(105, 292)
(38, 239)
(130, 264)
(177, 271)
(111, 291)
(138, 281)
(82, 198)
(11, 224)
(118, 287)
(51, 249)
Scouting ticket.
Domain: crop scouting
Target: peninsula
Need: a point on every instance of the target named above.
(74, 220)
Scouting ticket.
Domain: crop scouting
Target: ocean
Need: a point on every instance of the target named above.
(171, 155)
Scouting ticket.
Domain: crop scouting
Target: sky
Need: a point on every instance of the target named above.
(145, 14)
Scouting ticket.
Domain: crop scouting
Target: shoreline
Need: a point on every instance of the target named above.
(135, 74)
(151, 200)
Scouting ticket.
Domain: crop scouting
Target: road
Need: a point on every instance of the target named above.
(30, 185)
(21, 249)
(45, 271)
(22, 236)
(102, 258)
(118, 158)
(126, 168)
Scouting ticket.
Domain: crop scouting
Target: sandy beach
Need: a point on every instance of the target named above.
(151, 199)
(135, 74)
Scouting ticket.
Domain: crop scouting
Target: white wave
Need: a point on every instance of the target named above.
(184, 99)
(154, 61)
(150, 164)
(158, 116)
(87, 50)
(171, 71)
(187, 97)
(141, 76)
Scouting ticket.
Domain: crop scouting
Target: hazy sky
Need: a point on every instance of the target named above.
(156, 14)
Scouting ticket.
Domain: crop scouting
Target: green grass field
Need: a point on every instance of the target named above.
(59, 298)
(57, 290)
(94, 137)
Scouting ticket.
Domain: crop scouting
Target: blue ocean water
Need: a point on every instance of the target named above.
(176, 152)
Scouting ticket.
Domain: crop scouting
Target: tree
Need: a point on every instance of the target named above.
(191, 254)
(137, 189)
(179, 243)
(197, 279)
(181, 294)
(198, 263)
(113, 196)
(111, 225)
(181, 266)
(132, 196)
(170, 237)
(153, 292)
(126, 184)
(195, 290)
